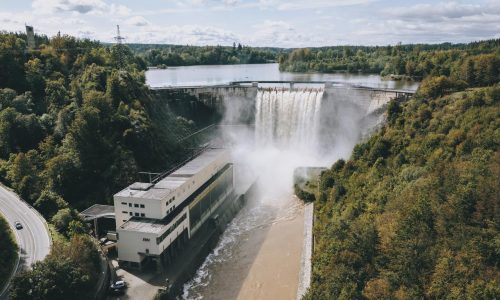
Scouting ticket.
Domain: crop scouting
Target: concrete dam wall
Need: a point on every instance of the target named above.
(236, 104)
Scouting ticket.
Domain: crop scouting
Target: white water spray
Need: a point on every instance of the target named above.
(288, 118)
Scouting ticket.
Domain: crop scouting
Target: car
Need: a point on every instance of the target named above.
(18, 225)
(118, 285)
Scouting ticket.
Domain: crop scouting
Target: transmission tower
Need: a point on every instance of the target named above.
(118, 37)
(119, 47)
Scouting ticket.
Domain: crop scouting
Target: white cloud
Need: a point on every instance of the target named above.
(278, 33)
(440, 22)
(442, 10)
(311, 4)
(183, 35)
(120, 10)
(137, 21)
(77, 6)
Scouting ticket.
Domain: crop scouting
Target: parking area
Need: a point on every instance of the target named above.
(138, 283)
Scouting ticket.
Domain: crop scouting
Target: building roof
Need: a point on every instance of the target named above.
(98, 211)
(149, 225)
(169, 184)
(145, 225)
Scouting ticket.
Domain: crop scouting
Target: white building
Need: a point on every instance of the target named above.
(151, 217)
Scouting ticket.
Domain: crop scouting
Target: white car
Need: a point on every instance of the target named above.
(118, 285)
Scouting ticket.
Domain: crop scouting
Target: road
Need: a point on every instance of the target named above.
(33, 240)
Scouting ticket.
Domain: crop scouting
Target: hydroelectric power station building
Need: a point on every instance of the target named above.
(153, 217)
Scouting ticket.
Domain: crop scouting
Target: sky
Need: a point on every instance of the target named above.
(276, 23)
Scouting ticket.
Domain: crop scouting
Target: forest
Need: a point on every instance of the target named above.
(414, 213)
(413, 61)
(163, 56)
(8, 251)
(77, 123)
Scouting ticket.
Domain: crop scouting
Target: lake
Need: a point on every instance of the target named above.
(223, 74)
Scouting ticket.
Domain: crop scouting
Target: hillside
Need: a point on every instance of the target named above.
(178, 55)
(78, 122)
(414, 213)
(412, 60)
(8, 251)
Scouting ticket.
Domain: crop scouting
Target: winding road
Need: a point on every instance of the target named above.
(33, 240)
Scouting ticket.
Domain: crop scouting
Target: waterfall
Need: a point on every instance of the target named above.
(288, 117)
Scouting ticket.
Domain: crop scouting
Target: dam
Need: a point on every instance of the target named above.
(271, 128)
(235, 102)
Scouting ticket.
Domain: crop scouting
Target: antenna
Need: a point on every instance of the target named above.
(118, 37)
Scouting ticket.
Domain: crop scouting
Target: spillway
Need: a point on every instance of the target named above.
(288, 117)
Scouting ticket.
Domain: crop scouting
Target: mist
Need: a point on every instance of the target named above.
(304, 127)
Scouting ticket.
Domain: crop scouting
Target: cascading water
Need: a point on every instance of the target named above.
(286, 136)
(288, 118)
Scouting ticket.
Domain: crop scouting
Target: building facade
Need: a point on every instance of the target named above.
(151, 217)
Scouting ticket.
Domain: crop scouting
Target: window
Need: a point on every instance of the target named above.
(136, 205)
(130, 205)
(142, 205)
(130, 213)
(124, 203)
(136, 214)
(145, 239)
(125, 212)
(143, 214)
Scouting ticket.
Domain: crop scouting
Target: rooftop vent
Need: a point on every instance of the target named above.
(141, 186)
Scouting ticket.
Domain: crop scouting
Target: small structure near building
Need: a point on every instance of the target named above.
(101, 217)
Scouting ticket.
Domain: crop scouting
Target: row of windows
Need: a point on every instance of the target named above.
(170, 229)
(170, 209)
(170, 200)
(134, 214)
(135, 205)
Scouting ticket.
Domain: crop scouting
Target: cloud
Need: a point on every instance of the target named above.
(137, 21)
(440, 22)
(441, 11)
(278, 33)
(77, 6)
(82, 7)
(311, 4)
(183, 35)
(120, 10)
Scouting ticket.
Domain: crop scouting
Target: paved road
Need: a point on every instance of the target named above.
(33, 240)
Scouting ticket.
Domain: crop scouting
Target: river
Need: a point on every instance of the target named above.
(223, 74)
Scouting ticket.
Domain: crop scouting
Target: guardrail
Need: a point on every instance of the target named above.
(255, 84)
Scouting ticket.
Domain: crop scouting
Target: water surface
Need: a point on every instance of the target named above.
(224, 74)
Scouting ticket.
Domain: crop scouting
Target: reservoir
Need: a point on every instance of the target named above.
(224, 74)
